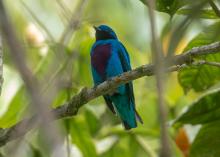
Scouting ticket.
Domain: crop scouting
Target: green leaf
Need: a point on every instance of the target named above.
(81, 137)
(16, 109)
(168, 6)
(19, 103)
(92, 121)
(127, 146)
(205, 13)
(35, 152)
(204, 110)
(202, 77)
(207, 143)
(1, 155)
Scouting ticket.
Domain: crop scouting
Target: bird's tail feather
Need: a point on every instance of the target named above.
(126, 125)
(126, 111)
(138, 117)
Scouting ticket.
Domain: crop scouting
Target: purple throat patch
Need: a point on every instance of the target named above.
(100, 57)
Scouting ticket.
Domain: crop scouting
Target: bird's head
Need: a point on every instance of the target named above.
(104, 32)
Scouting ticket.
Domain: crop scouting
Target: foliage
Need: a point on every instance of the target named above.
(169, 6)
(205, 76)
(63, 69)
(204, 110)
(206, 142)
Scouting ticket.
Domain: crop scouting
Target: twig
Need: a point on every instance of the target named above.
(214, 7)
(17, 52)
(195, 52)
(182, 27)
(38, 21)
(160, 77)
(73, 24)
(70, 108)
(65, 10)
(1, 63)
(202, 62)
(39, 103)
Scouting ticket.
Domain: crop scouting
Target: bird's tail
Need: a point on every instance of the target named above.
(138, 117)
(126, 111)
(128, 126)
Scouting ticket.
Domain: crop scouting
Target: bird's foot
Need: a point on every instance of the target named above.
(109, 79)
(95, 87)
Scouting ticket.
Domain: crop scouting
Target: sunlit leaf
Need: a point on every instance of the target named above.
(202, 77)
(205, 13)
(204, 110)
(126, 146)
(16, 109)
(20, 101)
(92, 121)
(105, 144)
(207, 143)
(35, 152)
(168, 6)
(80, 135)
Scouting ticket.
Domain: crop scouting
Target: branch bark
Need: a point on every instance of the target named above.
(39, 103)
(1, 63)
(71, 108)
(160, 77)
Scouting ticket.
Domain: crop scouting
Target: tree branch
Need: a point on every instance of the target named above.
(214, 7)
(39, 103)
(202, 62)
(85, 95)
(1, 63)
(160, 77)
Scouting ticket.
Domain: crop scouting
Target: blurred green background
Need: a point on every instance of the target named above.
(64, 57)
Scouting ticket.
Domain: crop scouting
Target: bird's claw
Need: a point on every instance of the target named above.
(109, 79)
(95, 87)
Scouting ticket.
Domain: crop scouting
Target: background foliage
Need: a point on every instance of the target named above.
(60, 59)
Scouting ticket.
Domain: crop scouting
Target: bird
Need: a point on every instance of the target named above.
(109, 58)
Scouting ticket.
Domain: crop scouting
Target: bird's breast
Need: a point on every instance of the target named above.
(100, 57)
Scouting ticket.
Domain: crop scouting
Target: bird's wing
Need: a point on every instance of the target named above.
(125, 61)
(109, 103)
(100, 55)
(98, 59)
(124, 57)
(96, 78)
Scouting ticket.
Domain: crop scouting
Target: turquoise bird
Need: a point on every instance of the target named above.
(109, 58)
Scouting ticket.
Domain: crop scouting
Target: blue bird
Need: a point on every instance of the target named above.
(109, 58)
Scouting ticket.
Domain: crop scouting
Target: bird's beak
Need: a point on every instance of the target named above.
(96, 28)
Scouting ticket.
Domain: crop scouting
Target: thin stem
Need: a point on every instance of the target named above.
(1, 63)
(71, 107)
(65, 10)
(202, 62)
(159, 71)
(38, 21)
(214, 7)
(39, 103)
(73, 24)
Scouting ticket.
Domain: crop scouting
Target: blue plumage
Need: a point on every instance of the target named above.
(109, 58)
